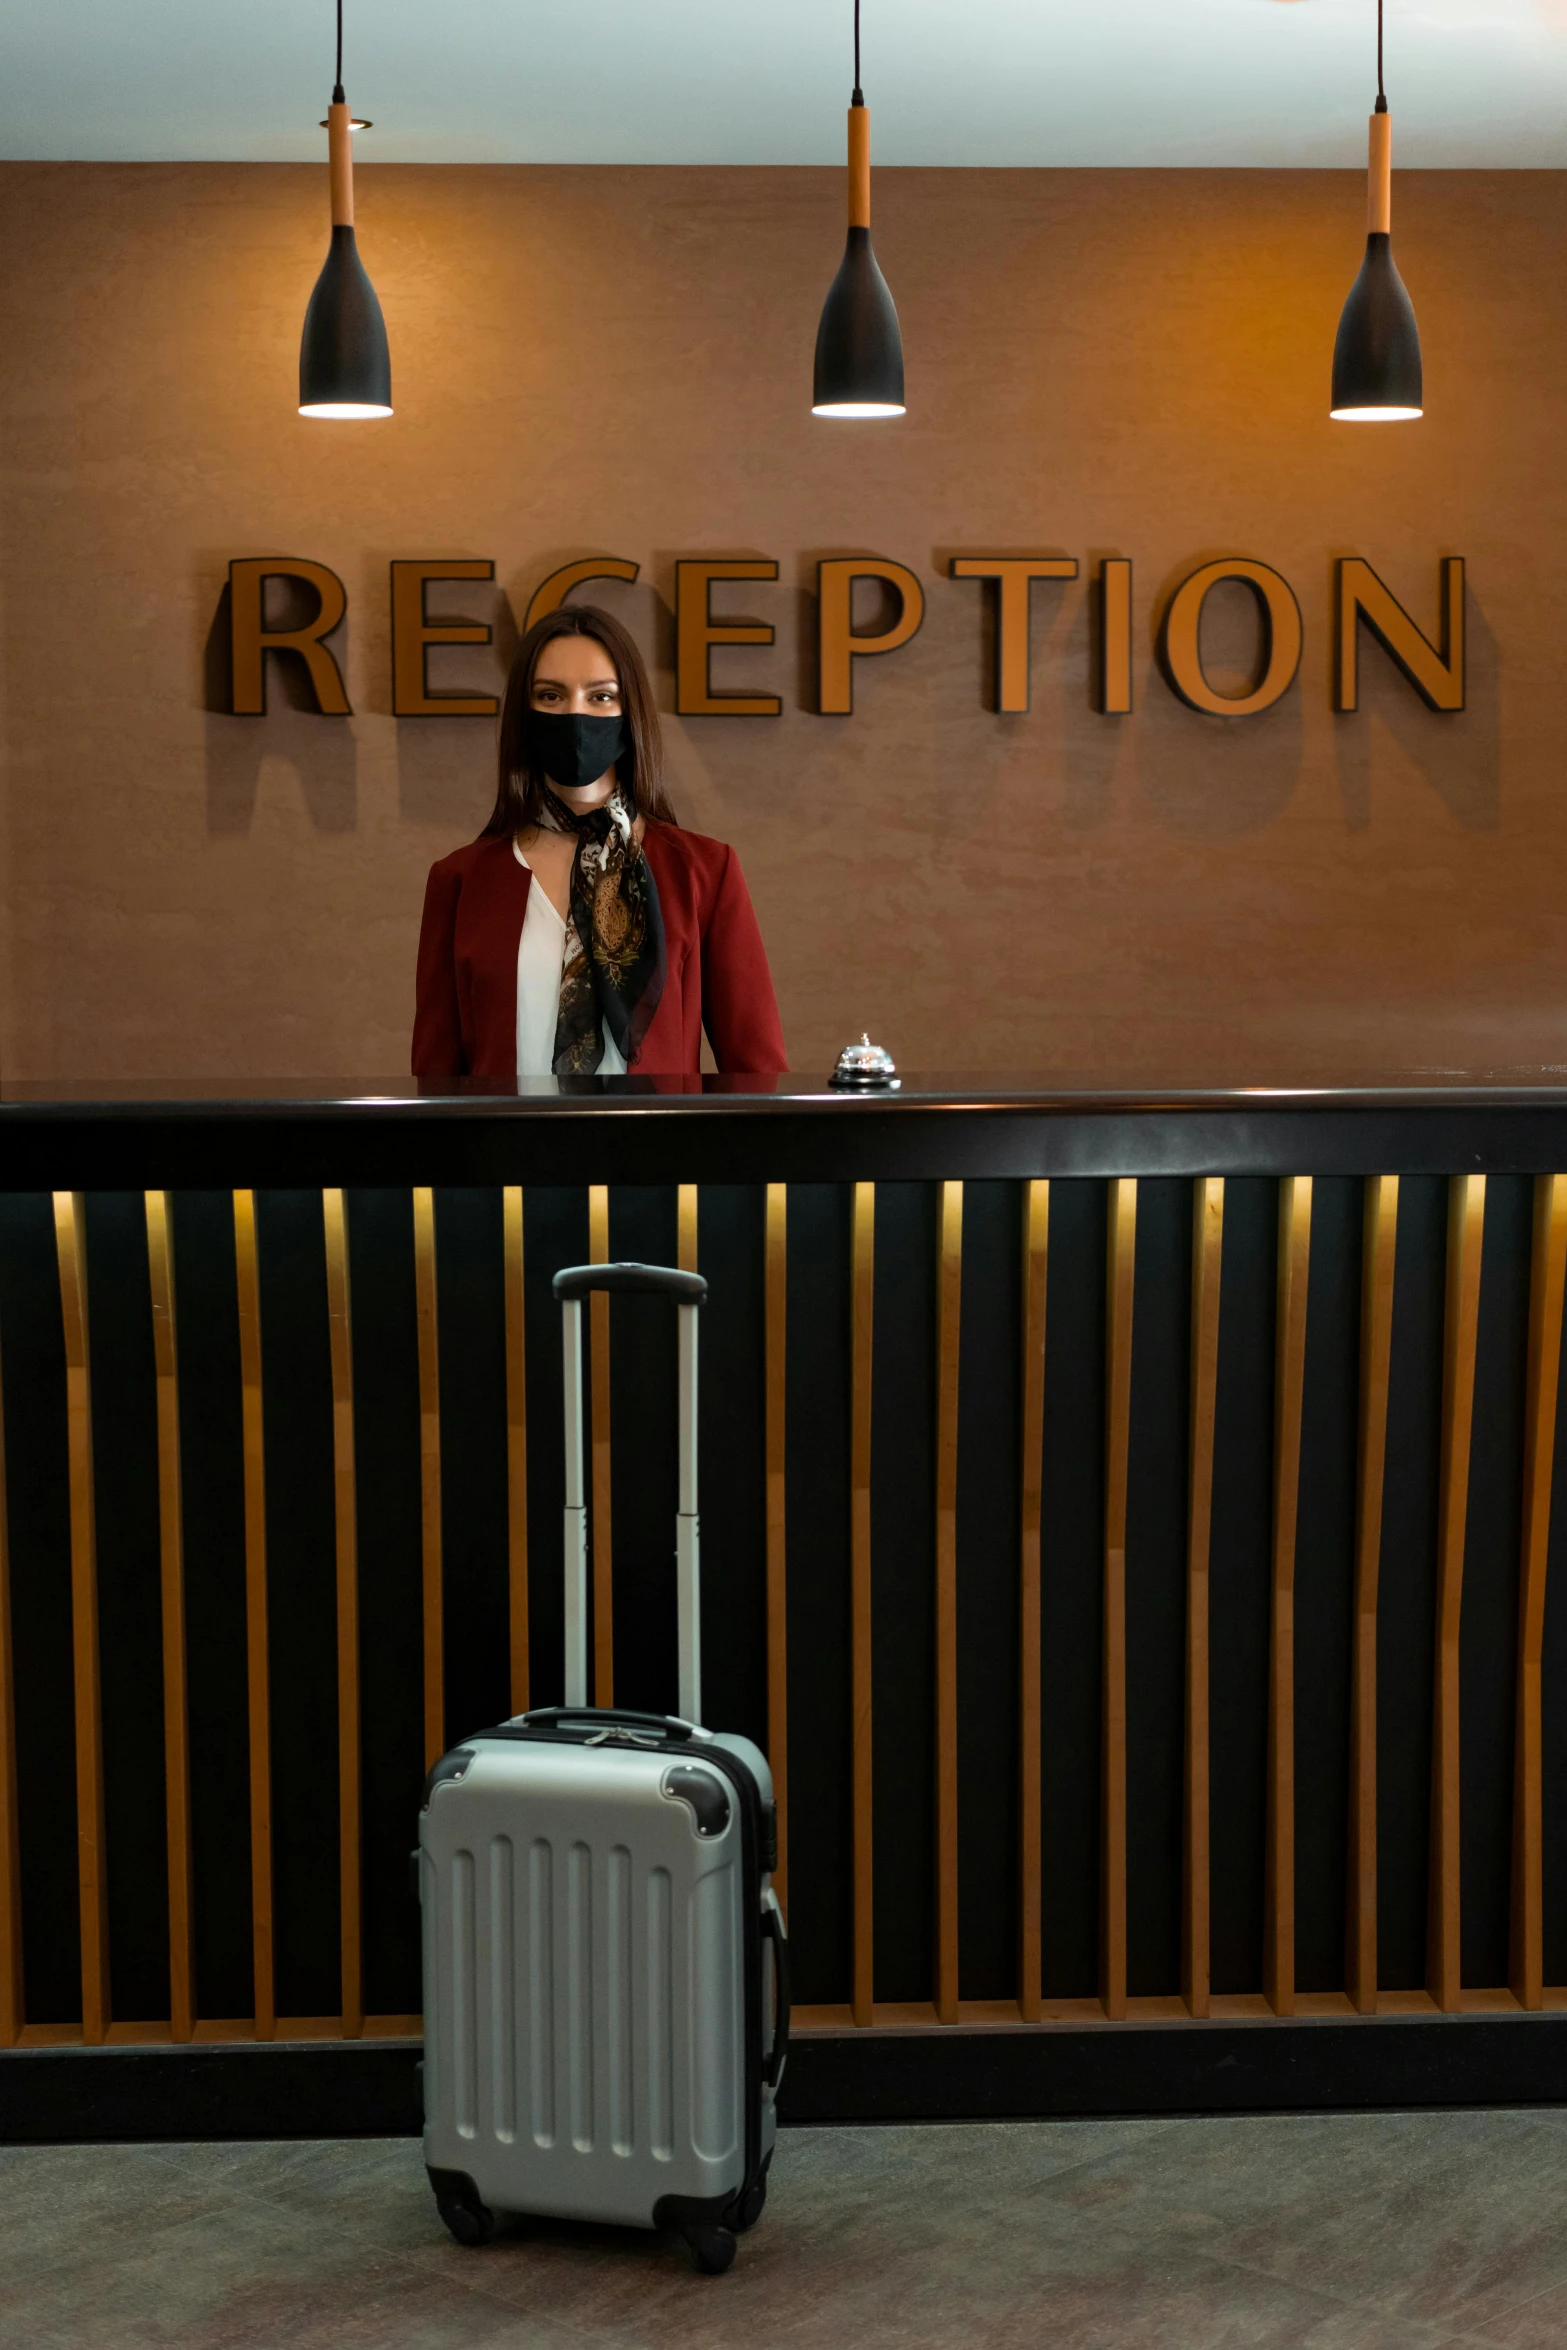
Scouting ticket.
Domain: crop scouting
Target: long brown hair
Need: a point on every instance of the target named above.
(639, 771)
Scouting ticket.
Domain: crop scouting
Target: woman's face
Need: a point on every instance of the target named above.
(576, 678)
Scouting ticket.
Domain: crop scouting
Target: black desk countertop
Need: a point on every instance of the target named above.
(393, 1131)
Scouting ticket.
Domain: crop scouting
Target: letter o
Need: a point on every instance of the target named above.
(1281, 631)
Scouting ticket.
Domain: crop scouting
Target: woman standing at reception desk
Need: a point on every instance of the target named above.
(584, 933)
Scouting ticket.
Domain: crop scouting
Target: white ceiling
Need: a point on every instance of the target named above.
(1472, 82)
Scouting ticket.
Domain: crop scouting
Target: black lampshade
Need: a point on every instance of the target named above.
(345, 368)
(859, 350)
(1376, 359)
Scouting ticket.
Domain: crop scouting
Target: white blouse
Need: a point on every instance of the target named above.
(541, 956)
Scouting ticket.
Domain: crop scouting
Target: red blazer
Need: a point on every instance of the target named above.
(716, 976)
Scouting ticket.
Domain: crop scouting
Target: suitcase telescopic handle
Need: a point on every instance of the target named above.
(687, 1289)
(572, 1284)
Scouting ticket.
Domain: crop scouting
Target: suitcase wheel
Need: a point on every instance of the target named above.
(457, 2200)
(745, 2213)
(713, 2249)
(470, 2223)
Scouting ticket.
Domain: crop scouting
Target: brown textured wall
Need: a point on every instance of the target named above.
(618, 360)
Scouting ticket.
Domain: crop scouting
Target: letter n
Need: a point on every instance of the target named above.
(1436, 675)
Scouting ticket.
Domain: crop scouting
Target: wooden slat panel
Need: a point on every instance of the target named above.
(13, 2012)
(776, 1292)
(350, 1884)
(516, 1448)
(171, 1545)
(603, 1550)
(863, 1249)
(1036, 1266)
(92, 1876)
(425, 1297)
(1121, 1260)
(1207, 1258)
(1465, 1238)
(1289, 1394)
(1379, 1248)
(248, 1288)
(1548, 1274)
(949, 1325)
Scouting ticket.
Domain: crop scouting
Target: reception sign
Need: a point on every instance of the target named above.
(1363, 601)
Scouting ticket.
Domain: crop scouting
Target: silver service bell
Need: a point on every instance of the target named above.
(865, 1068)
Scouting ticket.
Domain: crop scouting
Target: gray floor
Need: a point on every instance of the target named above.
(1381, 2232)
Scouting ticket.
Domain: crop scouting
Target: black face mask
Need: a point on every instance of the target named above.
(572, 751)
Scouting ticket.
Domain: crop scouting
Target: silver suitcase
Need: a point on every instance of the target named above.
(606, 2000)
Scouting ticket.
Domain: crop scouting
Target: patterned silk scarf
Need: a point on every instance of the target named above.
(613, 973)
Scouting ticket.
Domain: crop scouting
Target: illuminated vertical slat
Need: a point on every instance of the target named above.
(516, 1447)
(949, 1325)
(863, 1250)
(1207, 1261)
(686, 1256)
(351, 1959)
(1545, 1354)
(1036, 1263)
(1379, 1247)
(171, 1546)
(425, 1296)
(12, 1999)
(777, 1279)
(92, 1878)
(248, 1290)
(1121, 1260)
(603, 1553)
(1289, 1395)
(1465, 1239)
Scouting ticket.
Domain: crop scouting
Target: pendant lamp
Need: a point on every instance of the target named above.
(345, 369)
(1376, 359)
(859, 351)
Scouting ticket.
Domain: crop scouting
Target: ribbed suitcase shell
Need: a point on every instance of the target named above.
(586, 2046)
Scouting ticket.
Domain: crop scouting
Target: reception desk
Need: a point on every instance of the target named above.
(1127, 1523)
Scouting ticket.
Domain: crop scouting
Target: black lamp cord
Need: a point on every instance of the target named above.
(859, 95)
(337, 87)
(1381, 106)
